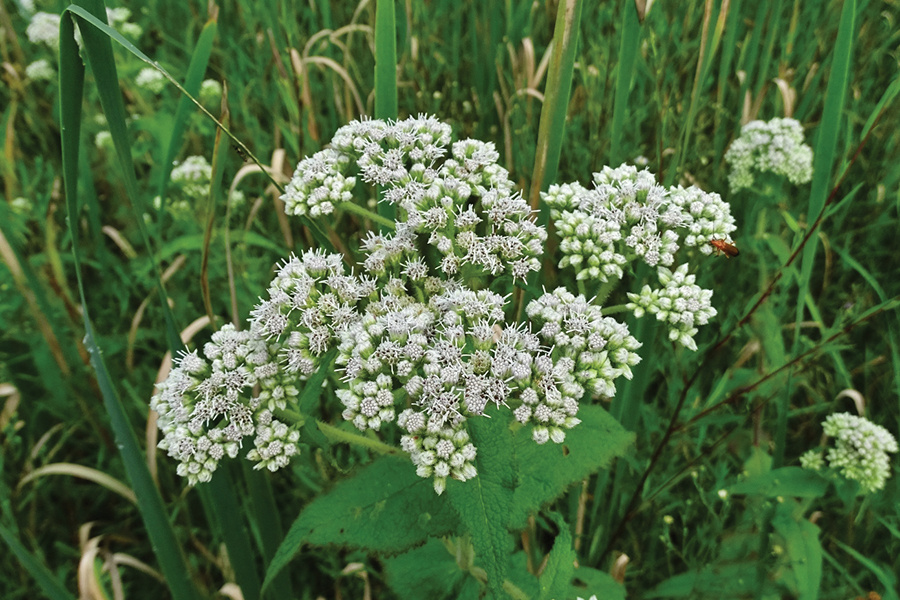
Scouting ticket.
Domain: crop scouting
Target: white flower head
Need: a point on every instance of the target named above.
(776, 146)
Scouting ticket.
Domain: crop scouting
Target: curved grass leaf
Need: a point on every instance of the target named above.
(786, 481)
(385, 507)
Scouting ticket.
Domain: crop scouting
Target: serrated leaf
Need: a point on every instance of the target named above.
(385, 507)
(557, 576)
(597, 583)
(430, 571)
(802, 548)
(483, 503)
(545, 471)
(786, 481)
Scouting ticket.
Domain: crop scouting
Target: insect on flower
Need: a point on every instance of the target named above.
(723, 247)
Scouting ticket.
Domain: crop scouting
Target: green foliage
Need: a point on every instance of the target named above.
(384, 508)
(647, 474)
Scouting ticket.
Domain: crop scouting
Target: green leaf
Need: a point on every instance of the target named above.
(195, 73)
(430, 571)
(484, 503)
(557, 576)
(786, 481)
(46, 580)
(802, 548)
(734, 580)
(597, 582)
(385, 507)
(546, 471)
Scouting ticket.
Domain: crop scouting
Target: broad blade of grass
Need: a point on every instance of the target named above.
(196, 71)
(823, 167)
(47, 581)
(556, 99)
(628, 51)
(159, 528)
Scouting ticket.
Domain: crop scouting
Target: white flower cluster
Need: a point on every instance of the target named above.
(416, 348)
(860, 451)
(192, 179)
(207, 405)
(775, 146)
(210, 91)
(44, 29)
(151, 80)
(680, 303)
(436, 195)
(626, 216)
(40, 70)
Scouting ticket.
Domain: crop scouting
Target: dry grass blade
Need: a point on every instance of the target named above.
(126, 560)
(120, 241)
(11, 393)
(139, 313)
(82, 472)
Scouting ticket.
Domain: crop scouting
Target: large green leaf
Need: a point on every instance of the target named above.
(385, 507)
(786, 481)
(557, 576)
(803, 550)
(430, 571)
(545, 471)
(484, 503)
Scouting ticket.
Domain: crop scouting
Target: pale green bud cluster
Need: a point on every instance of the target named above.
(681, 304)
(776, 146)
(860, 451)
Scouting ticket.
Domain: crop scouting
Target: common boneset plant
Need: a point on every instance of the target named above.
(859, 452)
(419, 347)
(774, 146)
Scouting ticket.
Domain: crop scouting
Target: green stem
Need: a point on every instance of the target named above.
(356, 209)
(605, 290)
(611, 310)
(289, 416)
(340, 435)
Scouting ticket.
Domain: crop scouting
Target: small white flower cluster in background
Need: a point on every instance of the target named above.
(44, 29)
(210, 91)
(860, 451)
(40, 70)
(151, 80)
(626, 216)
(776, 146)
(191, 179)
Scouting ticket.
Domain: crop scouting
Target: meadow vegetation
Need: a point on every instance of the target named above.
(719, 463)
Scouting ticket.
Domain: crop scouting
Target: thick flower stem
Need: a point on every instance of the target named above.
(356, 209)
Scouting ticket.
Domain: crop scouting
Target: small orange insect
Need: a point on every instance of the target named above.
(723, 247)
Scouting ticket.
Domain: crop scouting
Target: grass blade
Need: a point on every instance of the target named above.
(159, 528)
(47, 581)
(195, 73)
(556, 98)
(628, 51)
